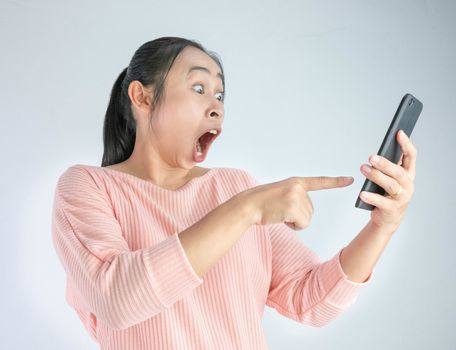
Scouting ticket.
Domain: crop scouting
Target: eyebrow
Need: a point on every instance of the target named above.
(203, 69)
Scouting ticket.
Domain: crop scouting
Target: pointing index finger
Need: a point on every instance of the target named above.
(316, 183)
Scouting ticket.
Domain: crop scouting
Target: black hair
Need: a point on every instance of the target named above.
(149, 65)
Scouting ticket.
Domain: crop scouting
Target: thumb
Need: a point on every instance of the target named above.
(316, 183)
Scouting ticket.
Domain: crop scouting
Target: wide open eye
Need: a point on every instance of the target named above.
(221, 94)
(199, 85)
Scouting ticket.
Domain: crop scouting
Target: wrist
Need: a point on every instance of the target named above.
(381, 229)
(249, 211)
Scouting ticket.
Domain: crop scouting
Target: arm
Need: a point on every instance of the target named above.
(302, 287)
(119, 286)
(208, 240)
(360, 256)
(124, 287)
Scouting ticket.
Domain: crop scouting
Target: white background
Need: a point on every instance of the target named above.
(311, 87)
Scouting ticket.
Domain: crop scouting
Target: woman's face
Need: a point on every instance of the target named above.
(192, 105)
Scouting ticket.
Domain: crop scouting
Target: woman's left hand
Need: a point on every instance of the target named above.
(396, 180)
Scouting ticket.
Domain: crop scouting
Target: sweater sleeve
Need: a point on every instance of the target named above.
(302, 287)
(119, 286)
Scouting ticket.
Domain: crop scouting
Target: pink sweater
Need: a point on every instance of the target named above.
(132, 286)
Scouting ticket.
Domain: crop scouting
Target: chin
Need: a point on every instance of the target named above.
(188, 165)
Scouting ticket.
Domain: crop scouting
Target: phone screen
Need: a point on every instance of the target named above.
(405, 118)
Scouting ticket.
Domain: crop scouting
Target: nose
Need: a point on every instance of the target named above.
(215, 114)
(217, 111)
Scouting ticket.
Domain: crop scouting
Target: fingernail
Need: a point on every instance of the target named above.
(375, 159)
(366, 169)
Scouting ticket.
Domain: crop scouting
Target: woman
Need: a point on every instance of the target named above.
(163, 254)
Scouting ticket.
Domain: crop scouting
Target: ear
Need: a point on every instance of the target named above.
(140, 97)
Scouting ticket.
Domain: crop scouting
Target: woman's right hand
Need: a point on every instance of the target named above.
(287, 201)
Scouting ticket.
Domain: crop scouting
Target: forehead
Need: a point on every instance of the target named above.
(191, 57)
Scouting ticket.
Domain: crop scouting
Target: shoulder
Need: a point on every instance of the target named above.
(76, 171)
(78, 177)
(81, 186)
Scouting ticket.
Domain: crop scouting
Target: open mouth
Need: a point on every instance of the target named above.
(205, 140)
(203, 143)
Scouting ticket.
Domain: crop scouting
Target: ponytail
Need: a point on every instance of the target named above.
(119, 130)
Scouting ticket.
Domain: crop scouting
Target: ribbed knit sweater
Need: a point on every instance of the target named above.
(131, 284)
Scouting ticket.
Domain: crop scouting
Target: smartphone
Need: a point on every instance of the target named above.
(405, 118)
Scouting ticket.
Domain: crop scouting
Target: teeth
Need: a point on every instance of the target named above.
(213, 131)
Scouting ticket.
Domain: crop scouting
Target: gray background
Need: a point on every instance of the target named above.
(311, 89)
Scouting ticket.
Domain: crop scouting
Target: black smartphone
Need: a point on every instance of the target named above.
(405, 118)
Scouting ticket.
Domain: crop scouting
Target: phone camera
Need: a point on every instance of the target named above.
(412, 101)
